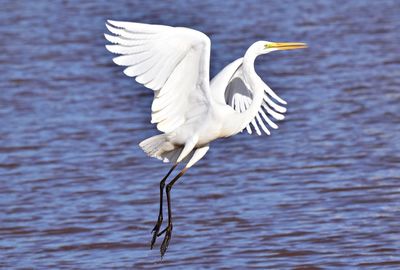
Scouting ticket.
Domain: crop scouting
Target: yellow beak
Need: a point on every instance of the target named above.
(285, 45)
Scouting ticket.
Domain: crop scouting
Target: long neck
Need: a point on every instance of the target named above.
(238, 121)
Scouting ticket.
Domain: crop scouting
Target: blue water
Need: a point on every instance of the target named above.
(323, 192)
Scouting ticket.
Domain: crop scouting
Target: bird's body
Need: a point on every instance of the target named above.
(189, 110)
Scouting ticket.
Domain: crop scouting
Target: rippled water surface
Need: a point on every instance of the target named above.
(322, 192)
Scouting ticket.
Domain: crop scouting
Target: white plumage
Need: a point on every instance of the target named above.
(174, 63)
(189, 110)
(159, 56)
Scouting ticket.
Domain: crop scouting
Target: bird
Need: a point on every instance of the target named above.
(189, 110)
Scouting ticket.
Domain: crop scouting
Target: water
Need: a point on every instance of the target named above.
(322, 192)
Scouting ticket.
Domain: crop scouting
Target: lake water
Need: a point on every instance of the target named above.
(323, 192)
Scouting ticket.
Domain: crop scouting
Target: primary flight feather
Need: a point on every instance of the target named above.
(189, 110)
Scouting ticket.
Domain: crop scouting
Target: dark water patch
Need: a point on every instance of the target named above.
(96, 246)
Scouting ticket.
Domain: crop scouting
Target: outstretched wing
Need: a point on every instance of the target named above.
(239, 95)
(172, 61)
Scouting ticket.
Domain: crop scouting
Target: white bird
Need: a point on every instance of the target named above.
(189, 110)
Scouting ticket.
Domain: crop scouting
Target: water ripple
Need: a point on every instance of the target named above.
(322, 192)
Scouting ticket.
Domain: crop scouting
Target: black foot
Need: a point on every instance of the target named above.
(165, 243)
(155, 231)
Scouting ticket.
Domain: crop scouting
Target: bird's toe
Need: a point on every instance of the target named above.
(165, 243)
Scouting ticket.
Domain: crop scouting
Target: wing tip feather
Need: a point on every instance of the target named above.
(112, 22)
(118, 61)
(108, 47)
(110, 38)
(128, 72)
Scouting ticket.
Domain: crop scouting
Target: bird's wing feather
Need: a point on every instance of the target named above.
(172, 61)
(239, 95)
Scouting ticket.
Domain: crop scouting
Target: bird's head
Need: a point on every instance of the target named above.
(263, 47)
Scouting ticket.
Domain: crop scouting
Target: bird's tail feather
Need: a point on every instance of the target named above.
(159, 147)
(151, 145)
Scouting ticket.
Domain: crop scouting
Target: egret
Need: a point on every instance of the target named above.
(190, 110)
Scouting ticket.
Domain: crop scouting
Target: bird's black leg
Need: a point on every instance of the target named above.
(157, 227)
(168, 230)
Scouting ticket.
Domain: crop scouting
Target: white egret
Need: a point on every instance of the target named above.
(189, 110)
